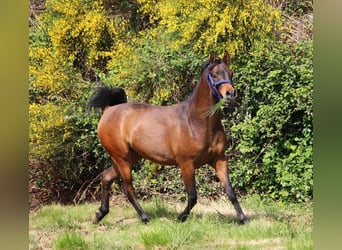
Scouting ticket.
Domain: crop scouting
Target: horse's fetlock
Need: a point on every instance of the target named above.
(182, 217)
(193, 199)
(243, 219)
(103, 211)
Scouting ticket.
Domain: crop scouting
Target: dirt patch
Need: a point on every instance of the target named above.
(265, 244)
(270, 243)
(43, 240)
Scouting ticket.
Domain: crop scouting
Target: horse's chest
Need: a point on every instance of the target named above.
(205, 149)
(217, 144)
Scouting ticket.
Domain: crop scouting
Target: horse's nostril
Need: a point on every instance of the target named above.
(235, 93)
(232, 94)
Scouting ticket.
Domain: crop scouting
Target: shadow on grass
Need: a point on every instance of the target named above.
(158, 210)
(161, 210)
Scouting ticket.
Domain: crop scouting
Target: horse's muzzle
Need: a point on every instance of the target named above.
(231, 95)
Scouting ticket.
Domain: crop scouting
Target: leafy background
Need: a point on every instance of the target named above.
(154, 49)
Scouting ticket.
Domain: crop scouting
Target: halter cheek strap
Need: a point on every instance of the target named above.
(214, 85)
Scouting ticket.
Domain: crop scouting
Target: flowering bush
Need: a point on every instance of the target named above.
(206, 25)
(47, 126)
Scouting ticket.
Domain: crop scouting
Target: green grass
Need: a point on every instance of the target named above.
(212, 225)
(71, 241)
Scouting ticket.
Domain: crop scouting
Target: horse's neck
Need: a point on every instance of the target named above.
(201, 102)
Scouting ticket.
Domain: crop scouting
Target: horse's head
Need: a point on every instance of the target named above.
(219, 77)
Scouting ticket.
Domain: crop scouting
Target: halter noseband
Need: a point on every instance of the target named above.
(214, 85)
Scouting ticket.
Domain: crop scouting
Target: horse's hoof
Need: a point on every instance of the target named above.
(95, 220)
(244, 220)
(145, 219)
(182, 217)
(98, 217)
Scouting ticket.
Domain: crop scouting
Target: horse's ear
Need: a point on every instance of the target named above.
(212, 57)
(225, 57)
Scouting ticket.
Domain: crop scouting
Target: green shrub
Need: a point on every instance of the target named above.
(273, 132)
(156, 73)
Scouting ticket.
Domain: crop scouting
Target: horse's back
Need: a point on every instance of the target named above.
(131, 114)
(118, 119)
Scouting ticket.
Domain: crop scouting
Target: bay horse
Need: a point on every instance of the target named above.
(181, 134)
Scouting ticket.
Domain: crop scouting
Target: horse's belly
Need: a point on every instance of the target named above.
(155, 152)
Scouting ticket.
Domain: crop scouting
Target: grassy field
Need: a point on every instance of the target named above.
(212, 225)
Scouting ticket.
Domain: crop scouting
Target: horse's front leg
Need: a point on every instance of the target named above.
(188, 174)
(107, 178)
(221, 168)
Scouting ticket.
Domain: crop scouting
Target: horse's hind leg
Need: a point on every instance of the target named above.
(107, 178)
(126, 174)
(222, 173)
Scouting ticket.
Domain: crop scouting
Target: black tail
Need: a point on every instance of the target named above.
(106, 96)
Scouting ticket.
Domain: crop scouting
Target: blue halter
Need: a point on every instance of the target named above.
(214, 85)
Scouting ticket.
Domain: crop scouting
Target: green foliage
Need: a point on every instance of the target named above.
(161, 75)
(274, 133)
(294, 7)
(217, 108)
